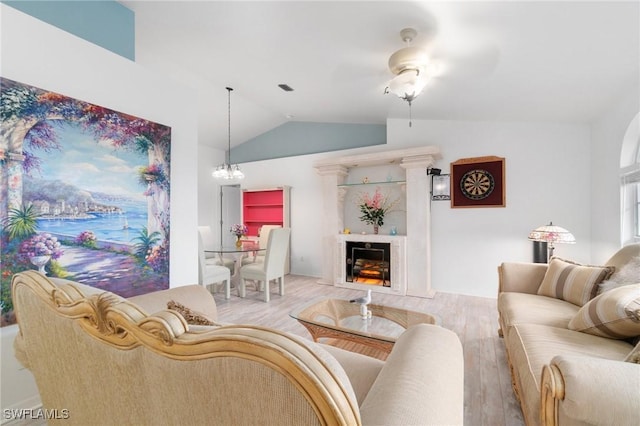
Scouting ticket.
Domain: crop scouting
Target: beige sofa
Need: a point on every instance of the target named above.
(101, 359)
(568, 347)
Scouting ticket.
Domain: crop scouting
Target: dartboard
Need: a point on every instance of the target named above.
(477, 184)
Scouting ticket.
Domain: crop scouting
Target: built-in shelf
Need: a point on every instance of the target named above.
(268, 206)
(386, 182)
(265, 207)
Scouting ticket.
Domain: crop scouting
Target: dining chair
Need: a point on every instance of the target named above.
(211, 273)
(273, 267)
(263, 240)
(209, 243)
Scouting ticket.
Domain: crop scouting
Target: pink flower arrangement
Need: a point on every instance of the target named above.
(374, 208)
(239, 230)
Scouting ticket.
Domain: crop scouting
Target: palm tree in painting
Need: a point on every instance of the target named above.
(145, 242)
(20, 223)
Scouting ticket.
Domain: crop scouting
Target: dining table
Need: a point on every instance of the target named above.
(246, 248)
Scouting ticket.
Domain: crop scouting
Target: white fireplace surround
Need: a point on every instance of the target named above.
(398, 263)
(415, 262)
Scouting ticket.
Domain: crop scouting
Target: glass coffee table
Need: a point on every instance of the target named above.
(340, 319)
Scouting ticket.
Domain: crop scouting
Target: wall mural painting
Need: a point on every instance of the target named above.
(84, 194)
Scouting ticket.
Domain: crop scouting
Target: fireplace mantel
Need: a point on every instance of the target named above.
(414, 161)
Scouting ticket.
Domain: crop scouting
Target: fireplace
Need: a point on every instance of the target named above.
(368, 263)
(372, 262)
(409, 270)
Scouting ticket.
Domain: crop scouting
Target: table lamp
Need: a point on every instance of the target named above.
(544, 238)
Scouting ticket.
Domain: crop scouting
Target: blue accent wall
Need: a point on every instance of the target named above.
(300, 138)
(106, 23)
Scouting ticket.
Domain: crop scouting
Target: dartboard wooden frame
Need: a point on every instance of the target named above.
(478, 182)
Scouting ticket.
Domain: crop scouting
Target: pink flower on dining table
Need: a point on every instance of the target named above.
(239, 229)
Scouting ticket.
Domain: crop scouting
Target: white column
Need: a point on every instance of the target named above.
(332, 218)
(418, 225)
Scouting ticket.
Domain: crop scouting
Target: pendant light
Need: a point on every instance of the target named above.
(226, 171)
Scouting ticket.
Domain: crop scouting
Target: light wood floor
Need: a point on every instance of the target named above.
(489, 399)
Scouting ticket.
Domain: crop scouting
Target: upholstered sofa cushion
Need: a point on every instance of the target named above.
(572, 282)
(524, 308)
(361, 370)
(614, 314)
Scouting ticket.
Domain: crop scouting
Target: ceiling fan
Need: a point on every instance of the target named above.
(412, 69)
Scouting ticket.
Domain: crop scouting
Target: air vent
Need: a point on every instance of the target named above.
(285, 87)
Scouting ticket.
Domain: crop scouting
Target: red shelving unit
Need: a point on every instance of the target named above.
(265, 207)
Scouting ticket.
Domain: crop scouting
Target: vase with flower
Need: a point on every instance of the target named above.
(374, 208)
(239, 230)
(39, 249)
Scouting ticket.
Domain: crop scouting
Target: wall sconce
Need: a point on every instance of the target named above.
(440, 185)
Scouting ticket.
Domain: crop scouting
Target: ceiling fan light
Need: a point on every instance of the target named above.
(408, 84)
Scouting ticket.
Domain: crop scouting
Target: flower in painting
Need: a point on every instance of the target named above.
(87, 239)
(239, 230)
(41, 245)
(374, 208)
(158, 259)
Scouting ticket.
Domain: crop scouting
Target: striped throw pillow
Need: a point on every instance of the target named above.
(614, 314)
(572, 282)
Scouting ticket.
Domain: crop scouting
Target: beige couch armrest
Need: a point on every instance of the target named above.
(521, 277)
(587, 390)
(421, 383)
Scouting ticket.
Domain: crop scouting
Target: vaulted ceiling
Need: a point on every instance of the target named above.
(559, 61)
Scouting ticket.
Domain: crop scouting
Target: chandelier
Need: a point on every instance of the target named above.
(226, 171)
(409, 65)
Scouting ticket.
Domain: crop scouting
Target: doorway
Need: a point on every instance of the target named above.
(230, 212)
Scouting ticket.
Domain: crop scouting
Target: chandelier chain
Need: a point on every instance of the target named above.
(229, 89)
(228, 171)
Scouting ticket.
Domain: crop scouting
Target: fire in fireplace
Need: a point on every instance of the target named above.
(368, 263)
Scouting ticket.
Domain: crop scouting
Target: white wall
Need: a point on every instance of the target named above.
(547, 178)
(41, 55)
(607, 136)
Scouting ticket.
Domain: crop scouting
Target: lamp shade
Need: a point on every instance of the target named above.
(552, 234)
(408, 84)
